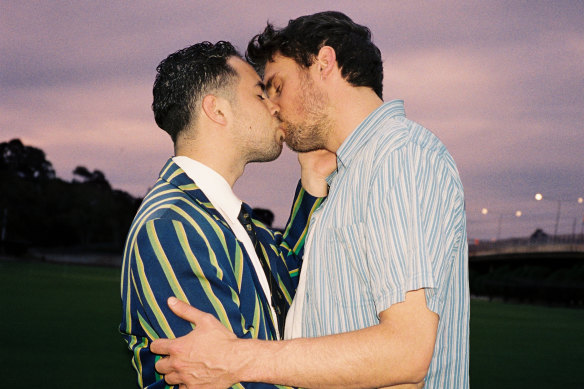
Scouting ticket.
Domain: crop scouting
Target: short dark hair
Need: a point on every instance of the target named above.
(358, 58)
(183, 79)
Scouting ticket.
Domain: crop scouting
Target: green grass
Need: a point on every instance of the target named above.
(525, 346)
(59, 326)
(59, 329)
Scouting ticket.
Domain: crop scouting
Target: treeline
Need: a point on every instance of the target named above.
(38, 209)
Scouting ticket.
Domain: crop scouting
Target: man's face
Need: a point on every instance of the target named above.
(302, 105)
(256, 127)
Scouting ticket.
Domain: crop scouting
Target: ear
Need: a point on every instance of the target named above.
(326, 61)
(216, 109)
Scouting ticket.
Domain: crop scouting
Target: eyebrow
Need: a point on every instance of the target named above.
(260, 85)
(269, 83)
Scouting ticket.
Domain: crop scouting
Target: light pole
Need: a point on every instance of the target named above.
(580, 201)
(517, 213)
(539, 197)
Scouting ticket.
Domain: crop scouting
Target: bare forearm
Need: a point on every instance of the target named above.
(372, 357)
(396, 351)
(317, 188)
(315, 167)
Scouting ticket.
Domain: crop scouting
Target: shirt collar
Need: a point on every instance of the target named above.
(364, 131)
(213, 185)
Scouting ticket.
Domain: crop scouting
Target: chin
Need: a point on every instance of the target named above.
(268, 157)
(302, 148)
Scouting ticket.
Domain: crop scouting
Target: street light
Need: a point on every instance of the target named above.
(485, 211)
(539, 197)
(580, 201)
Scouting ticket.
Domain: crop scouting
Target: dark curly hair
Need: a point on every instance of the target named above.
(185, 77)
(358, 58)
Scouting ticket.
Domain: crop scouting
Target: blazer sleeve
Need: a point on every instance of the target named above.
(288, 245)
(198, 263)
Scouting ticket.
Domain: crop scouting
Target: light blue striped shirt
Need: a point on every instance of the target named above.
(394, 221)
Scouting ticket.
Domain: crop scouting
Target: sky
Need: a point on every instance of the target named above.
(501, 83)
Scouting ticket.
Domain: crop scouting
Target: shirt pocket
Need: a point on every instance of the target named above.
(350, 278)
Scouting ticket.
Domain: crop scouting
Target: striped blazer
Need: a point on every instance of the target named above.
(179, 245)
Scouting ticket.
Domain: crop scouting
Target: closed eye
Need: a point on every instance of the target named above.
(276, 90)
(273, 87)
(262, 88)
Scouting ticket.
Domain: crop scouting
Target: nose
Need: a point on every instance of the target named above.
(273, 107)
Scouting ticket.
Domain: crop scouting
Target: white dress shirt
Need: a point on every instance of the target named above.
(293, 327)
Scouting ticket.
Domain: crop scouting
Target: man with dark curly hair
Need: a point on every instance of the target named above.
(383, 296)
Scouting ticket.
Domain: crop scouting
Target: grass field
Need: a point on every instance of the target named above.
(59, 329)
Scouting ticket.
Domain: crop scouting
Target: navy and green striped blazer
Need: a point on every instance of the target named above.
(179, 245)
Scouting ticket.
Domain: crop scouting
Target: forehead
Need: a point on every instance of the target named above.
(246, 73)
(280, 65)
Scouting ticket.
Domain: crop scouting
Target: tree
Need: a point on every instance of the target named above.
(25, 161)
(96, 177)
(37, 209)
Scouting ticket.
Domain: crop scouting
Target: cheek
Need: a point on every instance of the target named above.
(288, 102)
(300, 107)
(291, 106)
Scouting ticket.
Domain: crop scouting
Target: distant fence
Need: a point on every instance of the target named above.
(559, 244)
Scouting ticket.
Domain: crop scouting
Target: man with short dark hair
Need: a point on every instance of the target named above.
(383, 296)
(192, 237)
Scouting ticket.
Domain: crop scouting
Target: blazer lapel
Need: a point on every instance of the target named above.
(173, 174)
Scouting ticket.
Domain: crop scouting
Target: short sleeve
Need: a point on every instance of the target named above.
(404, 226)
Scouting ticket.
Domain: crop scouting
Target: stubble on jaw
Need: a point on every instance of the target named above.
(258, 141)
(311, 105)
(265, 151)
